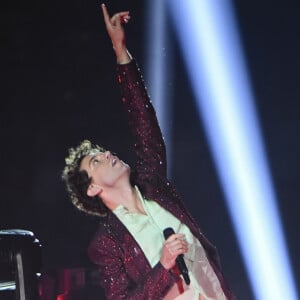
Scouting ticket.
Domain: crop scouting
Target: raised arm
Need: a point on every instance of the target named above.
(149, 144)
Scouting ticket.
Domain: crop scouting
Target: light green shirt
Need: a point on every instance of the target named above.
(148, 232)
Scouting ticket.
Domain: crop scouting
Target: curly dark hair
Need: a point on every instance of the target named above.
(77, 181)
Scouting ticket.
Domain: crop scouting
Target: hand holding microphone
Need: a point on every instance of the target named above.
(172, 253)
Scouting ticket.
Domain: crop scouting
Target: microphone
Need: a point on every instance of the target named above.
(179, 260)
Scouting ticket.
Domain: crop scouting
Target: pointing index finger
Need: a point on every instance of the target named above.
(105, 14)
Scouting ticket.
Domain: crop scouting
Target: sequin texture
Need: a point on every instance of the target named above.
(124, 270)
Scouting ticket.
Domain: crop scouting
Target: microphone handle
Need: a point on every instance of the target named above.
(183, 269)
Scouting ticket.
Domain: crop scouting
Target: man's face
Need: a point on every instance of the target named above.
(105, 169)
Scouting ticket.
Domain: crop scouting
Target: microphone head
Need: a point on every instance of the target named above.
(168, 232)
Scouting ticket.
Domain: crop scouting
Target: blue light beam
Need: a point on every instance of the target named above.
(211, 48)
(157, 65)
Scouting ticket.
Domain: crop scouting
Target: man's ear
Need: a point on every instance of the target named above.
(93, 190)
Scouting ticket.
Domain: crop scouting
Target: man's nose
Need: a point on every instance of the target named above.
(107, 154)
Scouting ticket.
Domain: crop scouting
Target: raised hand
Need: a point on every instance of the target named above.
(115, 29)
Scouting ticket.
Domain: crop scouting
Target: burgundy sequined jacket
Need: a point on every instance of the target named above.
(124, 270)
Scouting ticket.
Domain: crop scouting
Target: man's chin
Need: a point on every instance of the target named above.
(124, 165)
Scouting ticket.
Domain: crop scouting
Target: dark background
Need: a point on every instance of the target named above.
(58, 87)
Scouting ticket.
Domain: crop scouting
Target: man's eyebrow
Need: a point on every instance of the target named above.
(91, 159)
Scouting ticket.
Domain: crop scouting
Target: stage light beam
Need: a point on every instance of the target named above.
(157, 62)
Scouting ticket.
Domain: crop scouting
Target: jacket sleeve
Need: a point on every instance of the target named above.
(149, 144)
(114, 278)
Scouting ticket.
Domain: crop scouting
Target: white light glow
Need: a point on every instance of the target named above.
(158, 63)
(213, 56)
